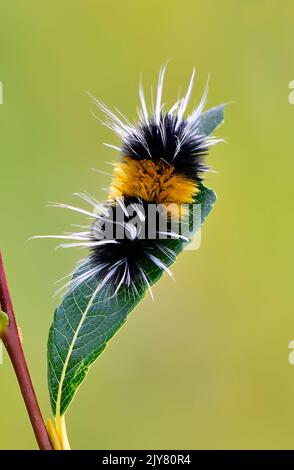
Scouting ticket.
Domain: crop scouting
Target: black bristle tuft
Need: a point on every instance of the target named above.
(170, 142)
(127, 256)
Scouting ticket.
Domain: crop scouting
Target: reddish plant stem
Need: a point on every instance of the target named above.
(12, 342)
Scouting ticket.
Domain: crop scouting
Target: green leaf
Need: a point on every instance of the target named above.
(87, 319)
(4, 322)
(211, 119)
(4, 319)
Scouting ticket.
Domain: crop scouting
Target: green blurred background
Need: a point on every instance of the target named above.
(205, 366)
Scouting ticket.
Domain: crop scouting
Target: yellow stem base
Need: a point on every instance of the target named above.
(58, 434)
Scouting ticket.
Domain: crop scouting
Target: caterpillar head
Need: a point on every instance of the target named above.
(163, 153)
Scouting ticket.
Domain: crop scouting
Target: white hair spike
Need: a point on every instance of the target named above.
(159, 95)
(160, 264)
(143, 102)
(112, 147)
(107, 111)
(86, 244)
(87, 198)
(193, 118)
(146, 282)
(185, 101)
(174, 107)
(72, 208)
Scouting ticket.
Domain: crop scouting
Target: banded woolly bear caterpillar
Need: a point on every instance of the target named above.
(162, 164)
(133, 237)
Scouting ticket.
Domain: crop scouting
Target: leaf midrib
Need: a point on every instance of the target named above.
(70, 350)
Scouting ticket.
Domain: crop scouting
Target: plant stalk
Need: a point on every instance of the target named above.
(12, 342)
(61, 430)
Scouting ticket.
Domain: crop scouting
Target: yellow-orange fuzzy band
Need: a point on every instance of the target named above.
(153, 182)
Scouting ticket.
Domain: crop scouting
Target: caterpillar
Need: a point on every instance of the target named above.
(162, 165)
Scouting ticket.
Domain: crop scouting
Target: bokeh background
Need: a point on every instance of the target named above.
(205, 366)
